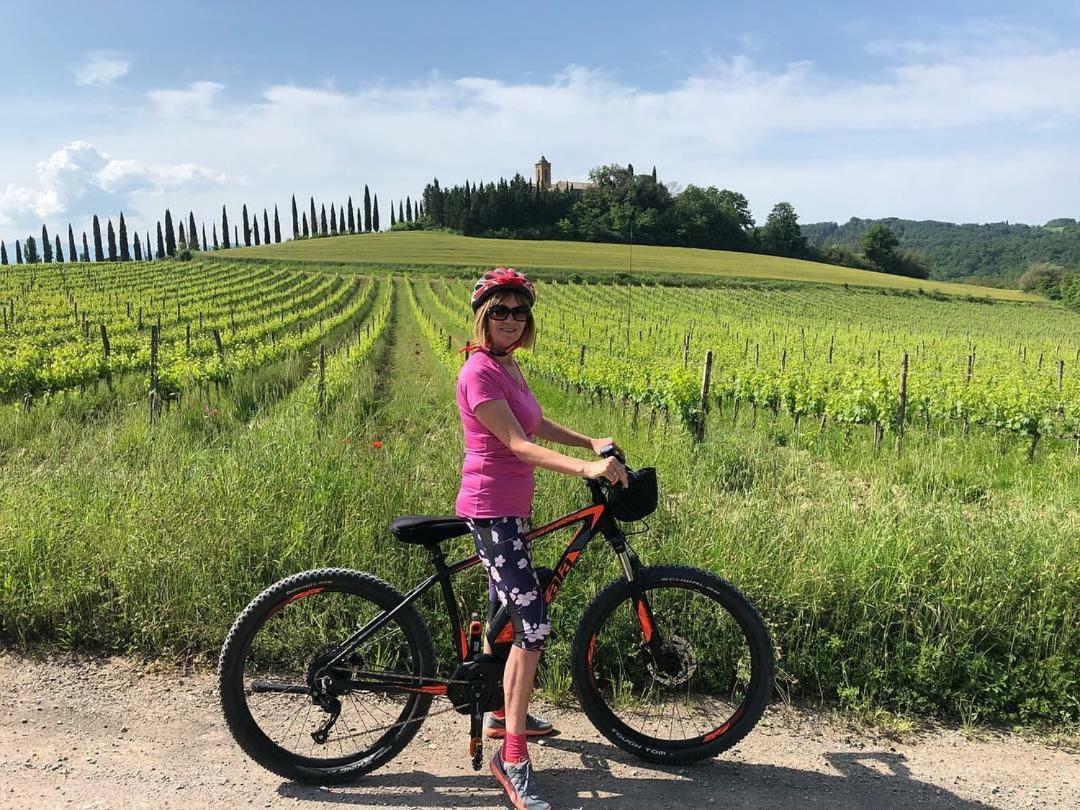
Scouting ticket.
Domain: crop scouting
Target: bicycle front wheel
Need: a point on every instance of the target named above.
(298, 716)
(696, 696)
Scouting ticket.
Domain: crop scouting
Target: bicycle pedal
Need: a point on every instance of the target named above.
(476, 751)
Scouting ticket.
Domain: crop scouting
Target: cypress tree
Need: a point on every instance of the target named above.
(654, 174)
(170, 235)
(31, 255)
(266, 228)
(392, 219)
(3, 253)
(192, 232)
(183, 235)
(18, 252)
(73, 253)
(400, 211)
(99, 254)
(160, 243)
(305, 226)
(352, 218)
(112, 242)
(375, 214)
(125, 256)
(138, 248)
(367, 210)
(256, 232)
(408, 209)
(333, 220)
(215, 236)
(59, 251)
(46, 246)
(224, 228)
(85, 249)
(247, 226)
(277, 228)
(313, 218)
(295, 220)
(236, 235)
(322, 222)
(148, 252)
(205, 245)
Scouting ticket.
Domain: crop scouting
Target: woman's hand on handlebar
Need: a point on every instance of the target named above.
(599, 444)
(608, 469)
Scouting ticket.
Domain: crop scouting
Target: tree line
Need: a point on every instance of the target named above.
(994, 254)
(181, 238)
(620, 205)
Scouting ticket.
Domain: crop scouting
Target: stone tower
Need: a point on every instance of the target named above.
(542, 178)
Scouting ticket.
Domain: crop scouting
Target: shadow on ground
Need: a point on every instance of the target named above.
(876, 779)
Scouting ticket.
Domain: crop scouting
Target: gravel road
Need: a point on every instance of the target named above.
(103, 733)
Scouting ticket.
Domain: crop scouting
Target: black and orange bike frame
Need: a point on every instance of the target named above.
(594, 519)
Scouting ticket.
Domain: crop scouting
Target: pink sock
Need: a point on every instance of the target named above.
(514, 748)
(500, 714)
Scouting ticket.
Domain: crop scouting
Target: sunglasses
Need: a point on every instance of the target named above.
(500, 312)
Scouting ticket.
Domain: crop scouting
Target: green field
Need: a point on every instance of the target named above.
(419, 247)
(940, 580)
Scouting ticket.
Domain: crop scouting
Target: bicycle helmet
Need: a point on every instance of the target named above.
(638, 498)
(502, 278)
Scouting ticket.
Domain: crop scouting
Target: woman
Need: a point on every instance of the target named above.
(501, 419)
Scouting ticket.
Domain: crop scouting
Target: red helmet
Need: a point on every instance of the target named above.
(502, 278)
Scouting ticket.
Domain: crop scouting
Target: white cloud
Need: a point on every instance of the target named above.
(197, 100)
(79, 180)
(100, 68)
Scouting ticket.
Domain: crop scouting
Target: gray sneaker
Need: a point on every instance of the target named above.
(519, 782)
(535, 726)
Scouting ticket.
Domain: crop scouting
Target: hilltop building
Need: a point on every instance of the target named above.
(542, 178)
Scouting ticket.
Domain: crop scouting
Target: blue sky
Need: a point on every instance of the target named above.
(957, 111)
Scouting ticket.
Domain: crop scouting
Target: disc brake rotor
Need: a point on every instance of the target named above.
(686, 663)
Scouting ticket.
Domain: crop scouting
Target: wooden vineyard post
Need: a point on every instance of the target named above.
(322, 380)
(218, 344)
(105, 351)
(901, 414)
(187, 338)
(449, 345)
(155, 398)
(832, 343)
(703, 402)
(686, 350)
(1061, 380)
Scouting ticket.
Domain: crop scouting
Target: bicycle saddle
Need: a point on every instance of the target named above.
(427, 529)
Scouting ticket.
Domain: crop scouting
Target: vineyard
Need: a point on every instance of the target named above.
(835, 356)
(308, 405)
(200, 323)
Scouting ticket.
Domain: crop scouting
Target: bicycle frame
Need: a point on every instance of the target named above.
(595, 519)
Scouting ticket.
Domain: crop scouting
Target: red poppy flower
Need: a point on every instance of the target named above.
(376, 444)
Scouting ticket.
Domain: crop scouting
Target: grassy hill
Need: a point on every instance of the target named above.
(419, 247)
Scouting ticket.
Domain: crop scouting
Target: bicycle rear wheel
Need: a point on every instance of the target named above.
(329, 727)
(705, 694)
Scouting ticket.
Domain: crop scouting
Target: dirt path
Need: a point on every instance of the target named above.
(110, 733)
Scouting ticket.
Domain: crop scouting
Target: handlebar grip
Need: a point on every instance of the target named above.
(609, 450)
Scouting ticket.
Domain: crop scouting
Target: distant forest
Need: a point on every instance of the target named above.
(995, 254)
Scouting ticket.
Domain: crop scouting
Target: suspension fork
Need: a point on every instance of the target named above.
(631, 567)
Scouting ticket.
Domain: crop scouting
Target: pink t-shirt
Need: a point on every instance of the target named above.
(494, 482)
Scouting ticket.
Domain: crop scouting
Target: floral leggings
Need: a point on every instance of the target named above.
(512, 581)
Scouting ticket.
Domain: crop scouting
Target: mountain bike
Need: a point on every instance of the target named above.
(328, 674)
